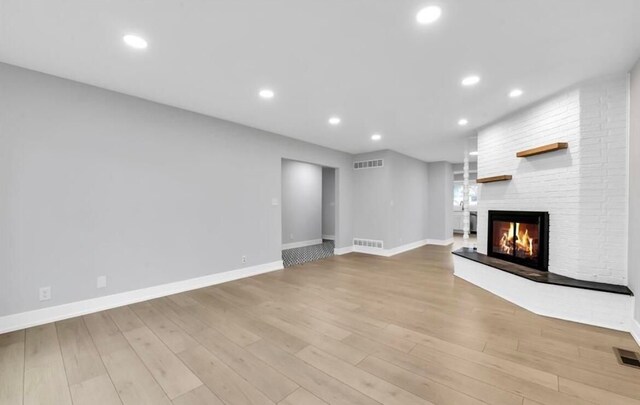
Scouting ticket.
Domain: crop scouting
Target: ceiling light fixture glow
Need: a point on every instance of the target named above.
(334, 120)
(267, 93)
(474, 153)
(429, 15)
(515, 93)
(462, 122)
(470, 80)
(376, 137)
(135, 41)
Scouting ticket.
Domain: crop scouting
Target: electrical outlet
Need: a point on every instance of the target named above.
(45, 293)
(101, 282)
(291, 236)
(244, 259)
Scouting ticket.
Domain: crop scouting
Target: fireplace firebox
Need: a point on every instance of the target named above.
(520, 237)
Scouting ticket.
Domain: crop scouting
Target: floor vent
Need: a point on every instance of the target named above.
(368, 164)
(368, 243)
(627, 357)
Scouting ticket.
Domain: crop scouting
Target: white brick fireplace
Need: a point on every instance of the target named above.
(584, 188)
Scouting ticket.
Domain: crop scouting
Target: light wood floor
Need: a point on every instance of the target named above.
(354, 329)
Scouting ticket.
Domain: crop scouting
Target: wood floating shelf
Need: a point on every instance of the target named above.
(504, 177)
(542, 149)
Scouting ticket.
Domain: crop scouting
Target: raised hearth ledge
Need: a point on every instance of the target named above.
(594, 307)
(540, 276)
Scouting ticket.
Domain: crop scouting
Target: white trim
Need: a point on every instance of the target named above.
(597, 308)
(440, 242)
(635, 330)
(394, 251)
(342, 250)
(405, 248)
(329, 237)
(371, 250)
(42, 316)
(303, 243)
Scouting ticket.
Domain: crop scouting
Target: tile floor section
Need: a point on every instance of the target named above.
(291, 257)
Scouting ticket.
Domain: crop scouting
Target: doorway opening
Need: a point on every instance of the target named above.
(308, 212)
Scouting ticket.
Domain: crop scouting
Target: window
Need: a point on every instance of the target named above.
(458, 194)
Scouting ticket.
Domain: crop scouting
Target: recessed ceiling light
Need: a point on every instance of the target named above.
(428, 15)
(462, 122)
(334, 120)
(515, 93)
(267, 93)
(474, 153)
(470, 80)
(376, 137)
(135, 41)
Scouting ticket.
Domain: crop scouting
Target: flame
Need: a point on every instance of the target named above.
(523, 242)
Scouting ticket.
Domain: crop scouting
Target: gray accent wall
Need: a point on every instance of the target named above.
(96, 183)
(391, 202)
(634, 189)
(93, 182)
(440, 201)
(301, 202)
(409, 202)
(328, 201)
(458, 171)
(372, 198)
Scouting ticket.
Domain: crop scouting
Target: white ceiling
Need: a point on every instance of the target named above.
(367, 61)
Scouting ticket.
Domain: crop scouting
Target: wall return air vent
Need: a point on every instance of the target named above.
(376, 244)
(368, 164)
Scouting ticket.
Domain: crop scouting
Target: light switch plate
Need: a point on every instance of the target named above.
(101, 282)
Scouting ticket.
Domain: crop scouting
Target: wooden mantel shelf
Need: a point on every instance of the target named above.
(542, 149)
(504, 177)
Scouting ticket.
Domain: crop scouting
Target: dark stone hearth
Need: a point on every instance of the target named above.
(540, 276)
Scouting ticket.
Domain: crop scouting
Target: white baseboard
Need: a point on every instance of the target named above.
(390, 252)
(393, 251)
(329, 237)
(596, 308)
(371, 250)
(342, 250)
(440, 242)
(42, 316)
(635, 330)
(405, 248)
(303, 243)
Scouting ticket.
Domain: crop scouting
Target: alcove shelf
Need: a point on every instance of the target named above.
(542, 149)
(504, 177)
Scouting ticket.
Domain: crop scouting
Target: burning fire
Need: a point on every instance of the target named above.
(524, 243)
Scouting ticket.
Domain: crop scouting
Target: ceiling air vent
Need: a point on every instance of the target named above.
(368, 164)
(369, 243)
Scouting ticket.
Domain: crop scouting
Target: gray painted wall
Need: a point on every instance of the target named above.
(458, 171)
(410, 205)
(460, 177)
(94, 183)
(391, 202)
(440, 201)
(371, 199)
(301, 202)
(634, 188)
(328, 201)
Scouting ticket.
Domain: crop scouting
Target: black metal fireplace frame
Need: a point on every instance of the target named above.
(527, 217)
